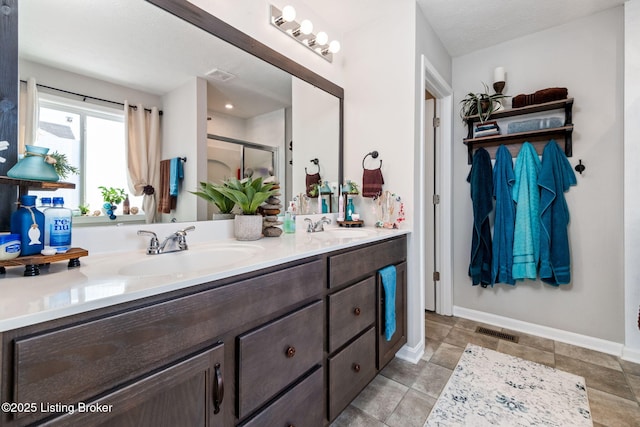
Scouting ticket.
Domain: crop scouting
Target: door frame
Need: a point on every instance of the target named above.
(436, 85)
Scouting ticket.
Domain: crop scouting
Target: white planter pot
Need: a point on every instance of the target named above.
(219, 216)
(248, 227)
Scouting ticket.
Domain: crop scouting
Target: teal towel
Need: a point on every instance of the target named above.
(503, 179)
(526, 237)
(388, 276)
(481, 180)
(176, 173)
(556, 177)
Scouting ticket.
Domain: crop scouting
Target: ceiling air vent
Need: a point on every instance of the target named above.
(220, 75)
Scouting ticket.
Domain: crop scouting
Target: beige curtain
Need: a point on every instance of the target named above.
(142, 132)
(29, 115)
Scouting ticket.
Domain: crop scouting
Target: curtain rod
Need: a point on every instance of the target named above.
(85, 97)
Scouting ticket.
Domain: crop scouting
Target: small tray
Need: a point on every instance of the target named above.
(358, 223)
(32, 262)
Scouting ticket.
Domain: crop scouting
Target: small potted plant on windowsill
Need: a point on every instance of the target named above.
(112, 197)
(212, 194)
(482, 104)
(248, 195)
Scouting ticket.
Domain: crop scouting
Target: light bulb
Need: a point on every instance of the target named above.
(334, 46)
(289, 13)
(322, 38)
(306, 27)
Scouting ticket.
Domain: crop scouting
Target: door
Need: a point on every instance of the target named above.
(431, 200)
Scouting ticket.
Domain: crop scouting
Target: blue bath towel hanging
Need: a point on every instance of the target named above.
(503, 225)
(481, 180)
(526, 237)
(556, 177)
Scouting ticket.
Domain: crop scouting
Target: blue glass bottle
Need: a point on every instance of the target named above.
(28, 222)
(351, 209)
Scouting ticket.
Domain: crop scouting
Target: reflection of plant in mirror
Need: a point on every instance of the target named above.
(62, 166)
(212, 194)
(84, 209)
(112, 195)
(248, 194)
(314, 188)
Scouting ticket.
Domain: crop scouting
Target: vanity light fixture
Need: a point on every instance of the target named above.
(302, 32)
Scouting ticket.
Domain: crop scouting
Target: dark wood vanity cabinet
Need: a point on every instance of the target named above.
(357, 346)
(288, 345)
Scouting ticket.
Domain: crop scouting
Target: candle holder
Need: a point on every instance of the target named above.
(498, 87)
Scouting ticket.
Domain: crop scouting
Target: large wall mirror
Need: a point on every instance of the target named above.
(206, 77)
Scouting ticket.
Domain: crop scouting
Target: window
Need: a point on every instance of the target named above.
(92, 138)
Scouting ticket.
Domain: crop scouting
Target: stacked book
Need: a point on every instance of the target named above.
(486, 129)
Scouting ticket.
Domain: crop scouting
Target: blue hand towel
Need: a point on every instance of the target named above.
(526, 237)
(481, 180)
(388, 276)
(176, 173)
(556, 177)
(503, 227)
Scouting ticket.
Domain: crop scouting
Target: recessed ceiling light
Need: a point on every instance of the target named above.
(228, 106)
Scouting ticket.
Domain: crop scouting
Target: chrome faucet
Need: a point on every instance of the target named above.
(317, 226)
(179, 240)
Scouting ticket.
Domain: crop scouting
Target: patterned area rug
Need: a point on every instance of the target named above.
(488, 388)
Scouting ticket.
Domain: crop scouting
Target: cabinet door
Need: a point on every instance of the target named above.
(388, 349)
(187, 393)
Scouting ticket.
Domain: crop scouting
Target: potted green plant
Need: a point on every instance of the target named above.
(481, 104)
(248, 194)
(212, 194)
(112, 197)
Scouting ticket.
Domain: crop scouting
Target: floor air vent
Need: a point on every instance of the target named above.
(497, 334)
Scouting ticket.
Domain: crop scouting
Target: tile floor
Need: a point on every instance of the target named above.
(403, 393)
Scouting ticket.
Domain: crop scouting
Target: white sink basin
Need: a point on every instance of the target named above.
(198, 260)
(343, 233)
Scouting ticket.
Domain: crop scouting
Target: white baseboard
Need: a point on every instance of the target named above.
(411, 354)
(631, 354)
(597, 344)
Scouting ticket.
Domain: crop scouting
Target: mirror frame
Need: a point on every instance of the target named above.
(192, 14)
(180, 8)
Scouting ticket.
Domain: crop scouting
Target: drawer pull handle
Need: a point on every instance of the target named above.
(356, 311)
(291, 351)
(218, 389)
(356, 367)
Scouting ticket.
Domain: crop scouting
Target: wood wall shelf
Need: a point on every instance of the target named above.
(513, 141)
(25, 184)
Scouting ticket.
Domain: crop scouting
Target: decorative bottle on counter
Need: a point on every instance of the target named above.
(45, 203)
(351, 209)
(57, 223)
(28, 222)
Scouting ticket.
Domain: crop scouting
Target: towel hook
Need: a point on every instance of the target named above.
(374, 155)
(580, 167)
(315, 162)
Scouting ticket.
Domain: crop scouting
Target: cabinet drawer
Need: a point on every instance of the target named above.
(303, 405)
(356, 264)
(76, 363)
(275, 355)
(350, 371)
(351, 310)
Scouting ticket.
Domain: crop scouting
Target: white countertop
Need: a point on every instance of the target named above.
(105, 279)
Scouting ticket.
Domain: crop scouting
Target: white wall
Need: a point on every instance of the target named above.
(184, 135)
(315, 133)
(632, 177)
(586, 56)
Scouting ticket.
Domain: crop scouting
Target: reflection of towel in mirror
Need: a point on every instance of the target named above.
(177, 173)
(481, 180)
(310, 181)
(556, 177)
(372, 181)
(166, 202)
